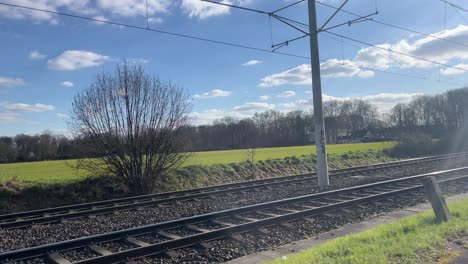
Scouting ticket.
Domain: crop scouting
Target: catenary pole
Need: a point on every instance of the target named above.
(319, 130)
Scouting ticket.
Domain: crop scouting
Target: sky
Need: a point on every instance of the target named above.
(46, 59)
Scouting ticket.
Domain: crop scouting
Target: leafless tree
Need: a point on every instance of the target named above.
(251, 154)
(135, 126)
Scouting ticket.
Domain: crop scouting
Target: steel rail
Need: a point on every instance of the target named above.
(368, 192)
(18, 220)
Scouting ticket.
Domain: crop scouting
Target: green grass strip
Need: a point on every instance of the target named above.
(415, 239)
(60, 171)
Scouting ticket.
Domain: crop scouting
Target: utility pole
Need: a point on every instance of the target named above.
(320, 139)
(319, 129)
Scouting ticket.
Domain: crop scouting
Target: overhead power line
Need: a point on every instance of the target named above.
(321, 30)
(205, 39)
(155, 30)
(396, 52)
(396, 26)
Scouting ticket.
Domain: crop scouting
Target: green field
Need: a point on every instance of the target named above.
(61, 171)
(416, 239)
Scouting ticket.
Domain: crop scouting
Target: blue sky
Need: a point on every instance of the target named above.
(47, 59)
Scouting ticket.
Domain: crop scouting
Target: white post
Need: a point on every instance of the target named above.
(320, 140)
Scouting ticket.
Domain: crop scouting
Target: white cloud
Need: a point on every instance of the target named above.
(428, 48)
(265, 98)
(299, 104)
(335, 68)
(213, 93)
(76, 6)
(254, 107)
(252, 62)
(207, 117)
(8, 117)
(101, 18)
(301, 75)
(67, 84)
(10, 82)
(286, 94)
(383, 101)
(202, 10)
(453, 71)
(155, 20)
(76, 59)
(29, 107)
(129, 8)
(379, 58)
(63, 116)
(36, 55)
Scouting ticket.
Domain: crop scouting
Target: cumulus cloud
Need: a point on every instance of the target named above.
(29, 107)
(252, 62)
(100, 9)
(299, 104)
(96, 9)
(129, 8)
(301, 75)
(81, 7)
(383, 101)
(213, 93)
(67, 84)
(380, 58)
(76, 59)
(10, 82)
(286, 94)
(208, 116)
(453, 71)
(202, 10)
(265, 97)
(36, 55)
(427, 47)
(254, 107)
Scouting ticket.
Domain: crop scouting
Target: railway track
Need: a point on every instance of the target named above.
(122, 245)
(50, 215)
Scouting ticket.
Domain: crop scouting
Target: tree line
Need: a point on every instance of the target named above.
(345, 121)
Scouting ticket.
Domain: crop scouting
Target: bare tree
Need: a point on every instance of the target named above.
(135, 125)
(251, 154)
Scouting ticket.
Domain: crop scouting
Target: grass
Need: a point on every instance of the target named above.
(416, 239)
(47, 172)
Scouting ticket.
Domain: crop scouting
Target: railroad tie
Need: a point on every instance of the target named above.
(58, 259)
(100, 250)
(136, 242)
(167, 235)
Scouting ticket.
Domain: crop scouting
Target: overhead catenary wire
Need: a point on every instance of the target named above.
(397, 52)
(166, 32)
(457, 8)
(199, 38)
(413, 75)
(349, 38)
(396, 26)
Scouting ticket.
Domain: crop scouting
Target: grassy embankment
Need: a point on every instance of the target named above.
(61, 171)
(415, 239)
(33, 185)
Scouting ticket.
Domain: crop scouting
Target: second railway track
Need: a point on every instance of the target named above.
(163, 238)
(50, 215)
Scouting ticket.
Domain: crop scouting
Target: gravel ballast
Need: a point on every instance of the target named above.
(45, 234)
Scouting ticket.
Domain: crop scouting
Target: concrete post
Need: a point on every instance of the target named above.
(320, 140)
(434, 194)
